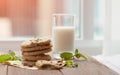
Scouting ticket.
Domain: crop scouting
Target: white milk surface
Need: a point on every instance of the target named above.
(63, 39)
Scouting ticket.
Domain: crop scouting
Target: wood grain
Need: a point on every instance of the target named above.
(3, 69)
(20, 71)
(89, 67)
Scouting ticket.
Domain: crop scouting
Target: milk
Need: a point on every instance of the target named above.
(63, 38)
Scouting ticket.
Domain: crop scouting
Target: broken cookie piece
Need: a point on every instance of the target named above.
(13, 63)
(19, 65)
(53, 64)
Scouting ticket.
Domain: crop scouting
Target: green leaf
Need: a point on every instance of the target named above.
(66, 55)
(76, 51)
(69, 63)
(9, 56)
(11, 53)
(83, 56)
(5, 57)
(78, 55)
(17, 58)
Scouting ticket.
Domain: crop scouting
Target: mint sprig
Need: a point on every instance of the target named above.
(68, 63)
(9, 56)
(78, 54)
(66, 55)
(4, 57)
(69, 57)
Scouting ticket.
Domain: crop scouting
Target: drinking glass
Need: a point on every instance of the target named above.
(63, 33)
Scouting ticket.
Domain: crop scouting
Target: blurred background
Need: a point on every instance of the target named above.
(97, 24)
(29, 18)
(26, 18)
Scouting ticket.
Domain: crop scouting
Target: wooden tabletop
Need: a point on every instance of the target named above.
(88, 67)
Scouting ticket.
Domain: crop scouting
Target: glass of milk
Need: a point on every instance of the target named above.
(63, 33)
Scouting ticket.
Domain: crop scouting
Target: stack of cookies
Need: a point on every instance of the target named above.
(35, 49)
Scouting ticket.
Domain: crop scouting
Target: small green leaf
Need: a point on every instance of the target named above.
(76, 51)
(5, 57)
(69, 63)
(66, 55)
(11, 53)
(78, 55)
(9, 56)
(83, 56)
(17, 58)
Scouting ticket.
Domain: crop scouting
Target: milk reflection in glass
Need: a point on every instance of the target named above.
(63, 33)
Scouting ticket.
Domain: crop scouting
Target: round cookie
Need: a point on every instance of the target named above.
(38, 57)
(37, 48)
(36, 52)
(35, 42)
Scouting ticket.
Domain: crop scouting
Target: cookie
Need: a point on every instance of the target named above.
(28, 63)
(36, 52)
(35, 42)
(52, 64)
(37, 48)
(38, 57)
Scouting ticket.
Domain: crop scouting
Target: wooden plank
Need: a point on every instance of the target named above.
(20, 71)
(3, 69)
(89, 67)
